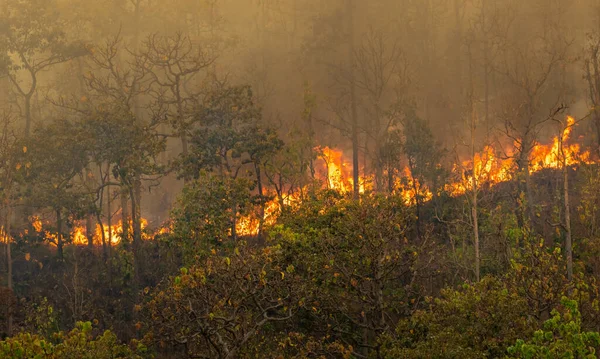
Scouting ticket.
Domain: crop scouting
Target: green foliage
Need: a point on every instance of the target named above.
(56, 155)
(561, 337)
(114, 135)
(41, 318)
(229, 135)
(206, 212)
(473, 321)
(539, 275)
(39, 43)
(424, 154)
(78, 343)
(223, 304)
(358, 264)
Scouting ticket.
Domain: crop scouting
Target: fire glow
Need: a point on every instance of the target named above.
(78, 234)
(486, 168)
(334, 170)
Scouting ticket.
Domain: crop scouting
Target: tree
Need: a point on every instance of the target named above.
(424, 156)
(33, 46)
(206, 212)
(9, 156)
(118, 139)
(367, 273)
(531, 66)
(561, 337)
(173, 63)
(220, 306)
(231, 141)
(382, 76)
(472, 321)
(592, 75)
(77, 343)
(56, 155)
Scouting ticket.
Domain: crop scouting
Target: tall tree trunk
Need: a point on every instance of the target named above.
(474, 212)
(262, 198)
(110, 234)
(137, 230)
(9, 263)
(474, 181)
(567, 209)
(124, 214)
(354, 114)
(108, 216)
(28, 114)
(136, 216)
(59, 237)
(89, 230)
(416, 186)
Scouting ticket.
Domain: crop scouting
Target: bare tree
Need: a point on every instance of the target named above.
(531, 64)
(382, 74)
(174, 61)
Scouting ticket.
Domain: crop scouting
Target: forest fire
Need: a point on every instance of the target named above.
(78, 234)
(487, 168)
(114, 233)
(335, 171)
(490, 169)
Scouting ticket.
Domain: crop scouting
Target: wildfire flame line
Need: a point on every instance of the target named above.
(487, 168)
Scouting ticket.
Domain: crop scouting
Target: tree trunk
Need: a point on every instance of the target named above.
(136, 199)
(137, 230)
(108, 217)
(476, 230)
(89, 230)
(9, 263)
(416, 185)
(124, 215)
(354, 114)
(110, 234)
(567, 224)
(28, 114)
(59, 239)
(262, 198)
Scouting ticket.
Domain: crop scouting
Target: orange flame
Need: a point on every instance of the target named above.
(486, 168)
(112, 235)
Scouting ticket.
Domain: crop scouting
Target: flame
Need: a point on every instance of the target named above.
(408, 189)
(36, 222)
(338, 172)
(486, 168)
(5, 237)
(78, 234)
(112, 235)
(551, 157)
